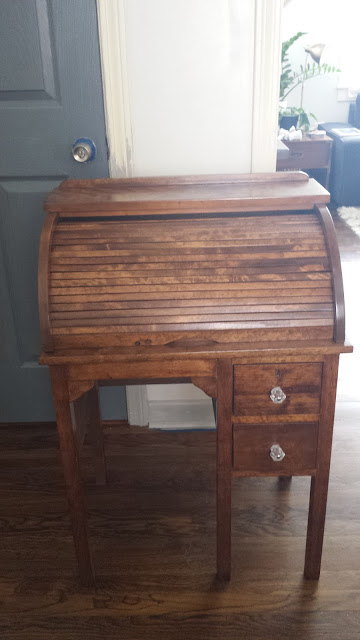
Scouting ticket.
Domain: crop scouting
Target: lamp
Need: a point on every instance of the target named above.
(315, 52)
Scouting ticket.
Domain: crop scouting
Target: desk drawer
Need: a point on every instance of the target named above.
(252, 448)
(304, 154)
(262, 391)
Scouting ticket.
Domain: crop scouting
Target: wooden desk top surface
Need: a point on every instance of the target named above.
(186, 195)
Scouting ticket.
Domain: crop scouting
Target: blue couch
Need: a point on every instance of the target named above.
(345, 162)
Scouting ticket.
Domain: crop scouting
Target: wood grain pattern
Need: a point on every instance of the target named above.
(271, 418)
(241, 353)
(274, 333)
(224, 467)
(80, 419)
(301, 384)
(167, 511)
(194, 194)
(176, 367)
(70, 463)
(130, 282)
(319, 485)
(252, 443)
(334, 257)
(87, 419)
(96, 435)
(77, 388)
(43, 283)
(206, 384)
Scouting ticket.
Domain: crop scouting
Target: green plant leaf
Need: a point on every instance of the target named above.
(288, 43)
(290, 79)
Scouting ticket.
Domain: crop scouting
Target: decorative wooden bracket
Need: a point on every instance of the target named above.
(206, 384)
(78, 387)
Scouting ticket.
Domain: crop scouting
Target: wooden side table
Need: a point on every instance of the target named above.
(308, 154)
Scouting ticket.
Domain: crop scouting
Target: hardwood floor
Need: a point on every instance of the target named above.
(153, 530)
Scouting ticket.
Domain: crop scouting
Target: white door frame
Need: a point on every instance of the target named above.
(267, 50)
(112, 38)
(267, 69)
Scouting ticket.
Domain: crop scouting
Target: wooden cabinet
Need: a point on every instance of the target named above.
(231, 282)
(308, 154)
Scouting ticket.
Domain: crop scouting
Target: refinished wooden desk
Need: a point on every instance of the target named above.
(232, 282)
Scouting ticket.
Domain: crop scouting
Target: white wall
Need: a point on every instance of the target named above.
(335, 24)
(190, 73)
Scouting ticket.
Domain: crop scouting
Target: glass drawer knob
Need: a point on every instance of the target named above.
(276, 453)
(277, 395)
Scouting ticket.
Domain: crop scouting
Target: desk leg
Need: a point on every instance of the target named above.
(97, 436)
(224, 467)
(71, 469)
(319, 484)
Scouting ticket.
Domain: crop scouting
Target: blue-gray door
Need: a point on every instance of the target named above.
(50, 95)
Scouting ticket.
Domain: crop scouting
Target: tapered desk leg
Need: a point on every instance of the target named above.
(224, 467)
(71, 469)
(319, 484)
(97, 436)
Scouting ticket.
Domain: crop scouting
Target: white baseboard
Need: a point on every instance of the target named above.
(137, 405)
(169, 406)
(182, 414)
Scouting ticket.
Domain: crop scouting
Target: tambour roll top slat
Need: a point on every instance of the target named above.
(170, 261)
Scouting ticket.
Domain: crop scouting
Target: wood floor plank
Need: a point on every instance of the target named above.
(153, 527)
(154, 532)
(212, 626)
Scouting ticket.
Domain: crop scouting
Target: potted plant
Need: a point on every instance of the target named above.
(294, 117)
(290, 79)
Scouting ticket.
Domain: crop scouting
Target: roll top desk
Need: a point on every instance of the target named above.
(232, 282)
